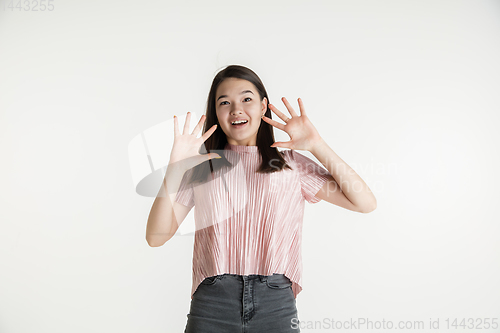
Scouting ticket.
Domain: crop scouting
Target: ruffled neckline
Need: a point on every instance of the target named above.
(242, 149)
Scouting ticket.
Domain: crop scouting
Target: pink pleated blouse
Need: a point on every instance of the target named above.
(251, 223)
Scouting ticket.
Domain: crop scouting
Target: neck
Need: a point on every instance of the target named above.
(242, 148)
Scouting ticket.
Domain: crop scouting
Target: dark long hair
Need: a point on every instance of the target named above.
(218, 139)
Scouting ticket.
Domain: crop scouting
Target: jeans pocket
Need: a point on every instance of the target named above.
(211, 280)
(278, 281)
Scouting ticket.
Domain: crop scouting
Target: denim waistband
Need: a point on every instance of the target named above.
(252, 276)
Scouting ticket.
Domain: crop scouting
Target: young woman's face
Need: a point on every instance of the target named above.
(237, 99)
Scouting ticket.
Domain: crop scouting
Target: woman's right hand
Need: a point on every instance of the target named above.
(185, 150)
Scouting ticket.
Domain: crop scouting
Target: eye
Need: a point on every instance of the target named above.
(244, 100)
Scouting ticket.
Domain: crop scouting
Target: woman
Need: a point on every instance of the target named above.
(249, 201)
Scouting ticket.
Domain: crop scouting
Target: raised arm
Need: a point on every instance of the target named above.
(166, 215)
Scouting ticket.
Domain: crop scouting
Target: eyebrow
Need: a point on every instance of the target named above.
(241, 93)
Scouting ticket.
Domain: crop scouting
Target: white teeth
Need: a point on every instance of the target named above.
(239, 122)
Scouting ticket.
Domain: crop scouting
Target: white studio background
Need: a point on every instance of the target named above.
(405, 92)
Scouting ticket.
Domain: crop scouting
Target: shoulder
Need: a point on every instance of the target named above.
(294, 156)
(288, 154)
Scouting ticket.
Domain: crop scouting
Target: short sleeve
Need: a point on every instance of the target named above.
(312, 176)
(185, 194)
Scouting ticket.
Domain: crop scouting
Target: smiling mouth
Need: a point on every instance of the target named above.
(240, 124)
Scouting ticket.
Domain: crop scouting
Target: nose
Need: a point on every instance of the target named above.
(236, 108)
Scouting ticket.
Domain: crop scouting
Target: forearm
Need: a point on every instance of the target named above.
(162, 224)
(351, 184)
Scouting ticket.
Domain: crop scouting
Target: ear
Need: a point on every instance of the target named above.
(264, 105)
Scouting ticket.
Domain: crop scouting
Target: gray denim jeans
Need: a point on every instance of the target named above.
(231, 303)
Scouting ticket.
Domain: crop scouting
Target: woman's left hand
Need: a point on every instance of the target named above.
(302, 133)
